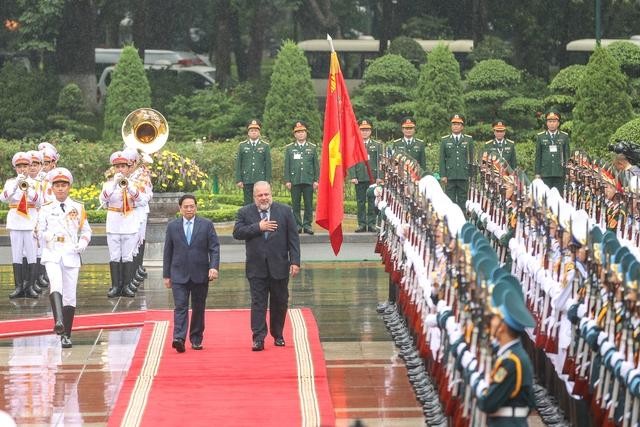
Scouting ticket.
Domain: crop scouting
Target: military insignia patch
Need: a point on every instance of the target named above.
(500, 375)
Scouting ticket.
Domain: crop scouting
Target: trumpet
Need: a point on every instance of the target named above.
(23, 184)
(123, 183)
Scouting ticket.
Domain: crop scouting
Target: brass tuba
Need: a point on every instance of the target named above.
(145, 129)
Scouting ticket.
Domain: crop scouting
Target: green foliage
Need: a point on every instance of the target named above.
(129, 90)
(521, 112)
(493, 73)
(384, 96)
(72, 115)
(427, 27)
(491, 47)
(628, 56)
(629, 131)
(27, 98)
(291, 98)
(602, 102)
(563, 89)
(438, 93)
(211, 113)
(409, 49)
(39, 24)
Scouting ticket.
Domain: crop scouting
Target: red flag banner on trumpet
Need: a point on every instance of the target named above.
(342, 148)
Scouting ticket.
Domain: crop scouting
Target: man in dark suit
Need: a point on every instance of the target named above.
(273, 254)
(191, 260)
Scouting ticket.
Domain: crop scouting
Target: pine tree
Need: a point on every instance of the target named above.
(438, 94)
(385, 96)
(291, 98)
(129, 90)
(602, 103)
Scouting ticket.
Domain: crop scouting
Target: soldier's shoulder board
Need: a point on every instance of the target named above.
(47, 204)
(489, 142)
(468, 136)
(564, 133)
(243, 142)
(419, 140)
(444, 137)
(311, 144)
(397, 140)
(542, 133)
(78, 202)
(509, 140)
(289, 145)
(264, 142)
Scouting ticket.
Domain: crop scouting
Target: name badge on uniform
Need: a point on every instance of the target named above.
(553, 148)
(297, 156)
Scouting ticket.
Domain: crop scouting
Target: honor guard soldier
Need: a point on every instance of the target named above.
(360, 178)
(456, 154)
(552, 152)
(500, 145)
(22, 198)
(119, 196)
(253, 162)
(508, 395)
(410, 145)
(66, 232)
(301, 173)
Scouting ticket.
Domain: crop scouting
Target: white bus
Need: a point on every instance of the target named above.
(354, 56)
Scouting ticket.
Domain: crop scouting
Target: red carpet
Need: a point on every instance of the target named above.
(226, 384)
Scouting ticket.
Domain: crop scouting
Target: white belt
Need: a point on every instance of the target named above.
(510, 411)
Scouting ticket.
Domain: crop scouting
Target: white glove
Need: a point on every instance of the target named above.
(602, 336)
(466, 359)
(442, 306)
(430, 321)
(81, 246)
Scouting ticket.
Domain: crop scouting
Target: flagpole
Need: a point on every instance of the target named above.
(330, 40)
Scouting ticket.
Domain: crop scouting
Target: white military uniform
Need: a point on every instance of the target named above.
(21, 223)
(123, 223)
(66, 233)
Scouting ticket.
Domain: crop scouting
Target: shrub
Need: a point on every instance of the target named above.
(602, 102)
(72, 115)
(27, 98)
(409, 49)
(628, 56)
(384, 97)
(291, 98)
(563, 89)
(129, 90)
(629, 131)
(438, 93)
(491, 47)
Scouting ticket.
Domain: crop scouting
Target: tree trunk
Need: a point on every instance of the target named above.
(386, 25)
(479, 21)
(75, 55)
(256, 45)
(238, 46)
(140, 15)
(221, 51)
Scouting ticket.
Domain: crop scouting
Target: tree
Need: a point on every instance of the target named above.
(602, 102)
(563, 89)
(71, 114)
(629, 131)
(384, 97)
(291, 97)
(409, 49)
(129, 90)
(438, 94)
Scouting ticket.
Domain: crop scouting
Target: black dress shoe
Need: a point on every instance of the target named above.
(65, 340)
(178, 344)
(196, 346)
(361, 230)
(257, 346)
(279, 342)
(299, 230)
(308, 231)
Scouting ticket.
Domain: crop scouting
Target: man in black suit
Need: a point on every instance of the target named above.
(273, 254)
(191, 260)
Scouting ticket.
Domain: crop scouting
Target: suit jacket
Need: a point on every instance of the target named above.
(183, 262)
(271, 256)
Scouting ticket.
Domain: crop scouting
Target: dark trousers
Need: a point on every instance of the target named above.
(181, 293)
(366, 208)
(276, 292)
(247, 191)
(304, 191)
(457, 189)
(555, 181)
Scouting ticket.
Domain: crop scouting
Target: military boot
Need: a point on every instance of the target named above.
(114, 269)
(55, 298)
(43, 279)
(127, 275)
(68, 312)
(17, 278)
(32, 275)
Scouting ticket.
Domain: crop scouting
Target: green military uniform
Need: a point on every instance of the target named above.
(456, 154)
(552, 154)
(301, 169)
(253, 164)
(414, 148)
(505, 149)
(364, 198)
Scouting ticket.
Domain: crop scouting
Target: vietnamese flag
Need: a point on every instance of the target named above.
(342, 147)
